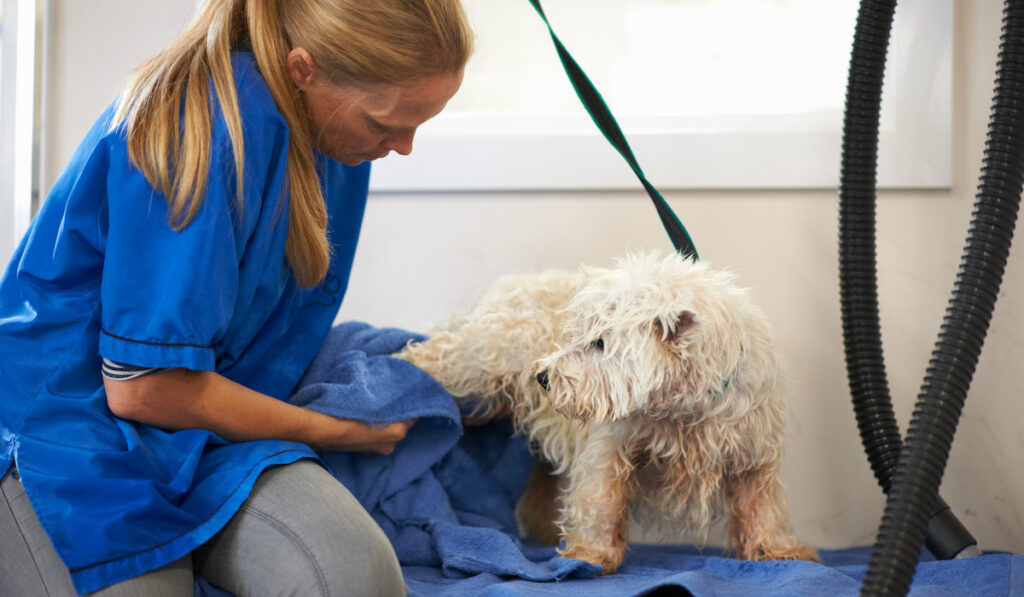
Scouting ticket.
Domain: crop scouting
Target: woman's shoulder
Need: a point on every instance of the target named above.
(255, 103)
(264, 129)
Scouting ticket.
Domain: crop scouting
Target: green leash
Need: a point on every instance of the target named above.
(602, 117)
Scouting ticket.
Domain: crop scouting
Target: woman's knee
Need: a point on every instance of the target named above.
(366, 566)
(301, 532)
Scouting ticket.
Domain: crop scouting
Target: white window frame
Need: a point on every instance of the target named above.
(741, 152)
(20, 118)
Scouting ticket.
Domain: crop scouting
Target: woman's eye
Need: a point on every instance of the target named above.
(598, 344)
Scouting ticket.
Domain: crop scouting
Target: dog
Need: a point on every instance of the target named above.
(655, 386)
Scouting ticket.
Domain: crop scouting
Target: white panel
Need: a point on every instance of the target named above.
(731, 94)
(18, 120)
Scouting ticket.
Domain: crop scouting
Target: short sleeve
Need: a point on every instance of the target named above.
(168, 296)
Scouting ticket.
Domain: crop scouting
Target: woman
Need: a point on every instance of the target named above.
(175, 285)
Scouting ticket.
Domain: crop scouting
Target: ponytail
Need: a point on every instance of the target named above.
(353, 41)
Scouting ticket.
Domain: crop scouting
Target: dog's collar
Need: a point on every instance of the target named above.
(725, 386)
(728, 380)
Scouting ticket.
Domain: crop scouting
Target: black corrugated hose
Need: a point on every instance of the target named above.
(946, 537)
(862, 336)
(913, 493)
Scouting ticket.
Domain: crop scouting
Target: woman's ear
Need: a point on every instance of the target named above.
(301, 68)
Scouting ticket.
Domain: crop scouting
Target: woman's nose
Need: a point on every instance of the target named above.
(400, 143)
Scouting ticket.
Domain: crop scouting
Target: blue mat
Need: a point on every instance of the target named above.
(445, 499)
(683, 569)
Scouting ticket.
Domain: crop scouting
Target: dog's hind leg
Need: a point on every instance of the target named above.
(538, 507)
(458, 361)
(759, 522)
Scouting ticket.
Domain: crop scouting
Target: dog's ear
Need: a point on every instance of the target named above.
(675, 329)
(684, 321)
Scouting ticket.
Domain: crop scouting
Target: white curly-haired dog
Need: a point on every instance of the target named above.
(655, 385)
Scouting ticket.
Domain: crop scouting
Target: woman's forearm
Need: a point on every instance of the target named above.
(184, 399)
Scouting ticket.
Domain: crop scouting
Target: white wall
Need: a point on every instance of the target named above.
(424, 255)
(95, 45)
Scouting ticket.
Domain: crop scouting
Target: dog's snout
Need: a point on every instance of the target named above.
(542, 379)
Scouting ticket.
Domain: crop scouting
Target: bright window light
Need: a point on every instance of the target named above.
(710, 93)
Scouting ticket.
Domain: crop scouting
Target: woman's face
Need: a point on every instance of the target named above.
(357, 124)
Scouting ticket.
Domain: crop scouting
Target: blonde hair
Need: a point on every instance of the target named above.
(353, 42)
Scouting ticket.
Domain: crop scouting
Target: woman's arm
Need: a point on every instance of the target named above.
(185, 399)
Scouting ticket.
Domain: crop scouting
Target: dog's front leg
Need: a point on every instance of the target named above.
(759, 522)
(596, 505)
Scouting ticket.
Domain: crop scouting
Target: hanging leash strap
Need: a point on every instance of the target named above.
(602, 117)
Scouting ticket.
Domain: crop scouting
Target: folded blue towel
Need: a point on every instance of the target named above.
(445, 499)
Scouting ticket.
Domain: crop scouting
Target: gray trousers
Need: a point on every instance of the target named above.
(299, 533)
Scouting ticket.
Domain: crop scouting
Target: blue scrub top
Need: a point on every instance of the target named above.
(101, 273)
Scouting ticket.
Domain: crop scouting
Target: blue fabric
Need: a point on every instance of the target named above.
(101, 273)
(446, 498)
(704, 573)
(441, 501)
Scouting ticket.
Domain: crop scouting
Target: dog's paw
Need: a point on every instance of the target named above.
(608, 559)
(787, 551)
(800, 552)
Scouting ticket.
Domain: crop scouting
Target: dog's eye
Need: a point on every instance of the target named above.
(598, 344)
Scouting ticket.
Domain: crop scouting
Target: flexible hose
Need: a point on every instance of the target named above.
(946, 537)
(964, 327)
(862, 336)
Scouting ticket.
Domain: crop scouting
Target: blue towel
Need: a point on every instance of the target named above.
(445, 499)
(705, 574)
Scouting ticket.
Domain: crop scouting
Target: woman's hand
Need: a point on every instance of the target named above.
(357, 436)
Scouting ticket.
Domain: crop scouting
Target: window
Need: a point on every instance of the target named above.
(20, 84)
(710, 93)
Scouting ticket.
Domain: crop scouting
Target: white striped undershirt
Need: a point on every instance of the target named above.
(123, 372)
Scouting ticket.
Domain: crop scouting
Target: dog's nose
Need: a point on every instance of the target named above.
(542, 379)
